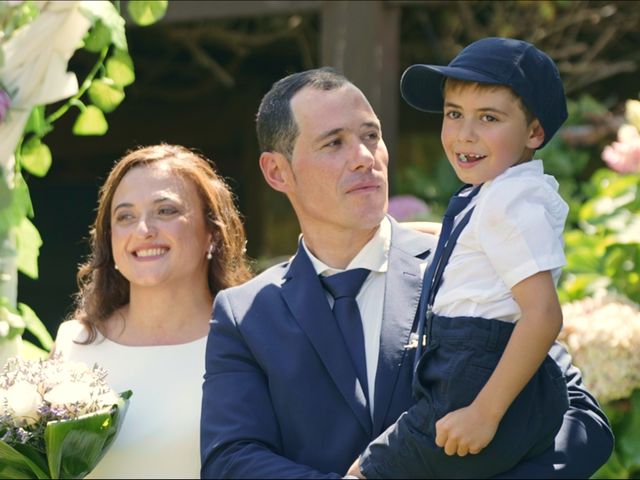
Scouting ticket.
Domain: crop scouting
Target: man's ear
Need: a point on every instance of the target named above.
(276, 170)
(536, 135)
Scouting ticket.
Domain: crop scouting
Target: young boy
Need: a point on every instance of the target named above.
(488, 396)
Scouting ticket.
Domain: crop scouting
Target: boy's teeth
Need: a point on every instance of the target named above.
(469, 157)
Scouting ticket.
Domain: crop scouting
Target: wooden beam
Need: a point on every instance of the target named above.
(361, 39)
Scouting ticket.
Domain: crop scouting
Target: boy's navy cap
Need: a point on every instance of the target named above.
(499, 61)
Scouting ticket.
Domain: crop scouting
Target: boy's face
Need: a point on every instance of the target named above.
(484, 132)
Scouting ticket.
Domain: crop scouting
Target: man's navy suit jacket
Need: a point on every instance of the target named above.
(281, 397)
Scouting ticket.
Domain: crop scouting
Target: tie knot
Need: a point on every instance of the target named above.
(457, 203)
(345, 284)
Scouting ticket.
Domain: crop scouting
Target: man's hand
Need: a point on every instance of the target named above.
(354, 469)
(465, 431)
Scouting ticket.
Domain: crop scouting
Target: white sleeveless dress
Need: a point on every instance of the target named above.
(160, 436)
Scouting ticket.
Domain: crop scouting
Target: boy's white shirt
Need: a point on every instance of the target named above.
(514, 232)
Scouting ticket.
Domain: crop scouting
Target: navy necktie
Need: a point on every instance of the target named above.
(344, 288)
(457, 204)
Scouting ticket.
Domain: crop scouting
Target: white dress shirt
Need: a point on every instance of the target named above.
(374, 256)
(514, 232)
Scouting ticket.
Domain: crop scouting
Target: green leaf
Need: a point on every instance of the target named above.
(120, 68)
(32, 352)
(16, 465)
(35, 157)
(28, 242)
(90, 122)
(36, 456)
(98, 37)
(575, 287)
(612, 469)
(75, 446)
(20, 206)
(35, 326)
(628, 438)
(10, 317)
(107, 13)
(6, 194)
(105, 94)
(147, 12)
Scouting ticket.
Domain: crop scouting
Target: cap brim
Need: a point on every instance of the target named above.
(421, 85)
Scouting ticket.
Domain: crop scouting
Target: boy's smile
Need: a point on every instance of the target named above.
(485, 131)
(469, 157)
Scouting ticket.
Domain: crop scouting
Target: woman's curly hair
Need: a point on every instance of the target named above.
(102, 289)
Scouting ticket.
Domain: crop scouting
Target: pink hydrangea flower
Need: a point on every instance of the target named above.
(5, 103)
(407, 207)
(623, 156)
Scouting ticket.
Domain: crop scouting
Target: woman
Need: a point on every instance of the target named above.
(167, 237)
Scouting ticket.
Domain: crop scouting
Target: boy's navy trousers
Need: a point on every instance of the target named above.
(460, 356)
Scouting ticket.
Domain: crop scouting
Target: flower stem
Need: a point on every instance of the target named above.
(81, 91)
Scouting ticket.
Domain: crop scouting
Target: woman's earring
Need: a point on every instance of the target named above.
(210, 252)
(115, 265)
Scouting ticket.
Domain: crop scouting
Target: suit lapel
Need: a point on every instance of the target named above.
(305, 297)
(402, 294)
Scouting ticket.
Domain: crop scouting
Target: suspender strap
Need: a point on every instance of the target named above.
(425, 308)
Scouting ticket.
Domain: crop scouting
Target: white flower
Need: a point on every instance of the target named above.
(69, 393)
(24, 401)
(109, 399)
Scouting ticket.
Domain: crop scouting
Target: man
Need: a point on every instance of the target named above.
(284, 393)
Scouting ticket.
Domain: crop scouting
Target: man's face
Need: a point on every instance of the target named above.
(337, 178)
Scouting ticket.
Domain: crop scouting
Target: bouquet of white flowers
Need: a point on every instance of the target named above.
(57, 418)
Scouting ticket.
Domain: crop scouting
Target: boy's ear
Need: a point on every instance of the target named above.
(276, 170)
(536, 135)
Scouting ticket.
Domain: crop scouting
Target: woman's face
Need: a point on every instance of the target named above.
(158, 233)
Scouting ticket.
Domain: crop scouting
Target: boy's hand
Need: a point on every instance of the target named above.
(465, 431)
(354, 470)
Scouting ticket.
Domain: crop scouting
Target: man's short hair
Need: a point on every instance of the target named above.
(275, 124)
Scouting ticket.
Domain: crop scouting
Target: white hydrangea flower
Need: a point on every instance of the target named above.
(603, 335)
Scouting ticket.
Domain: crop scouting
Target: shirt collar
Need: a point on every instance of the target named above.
(374, 255)
(531, 167)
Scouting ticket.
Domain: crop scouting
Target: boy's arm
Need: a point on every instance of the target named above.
(470, 429)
